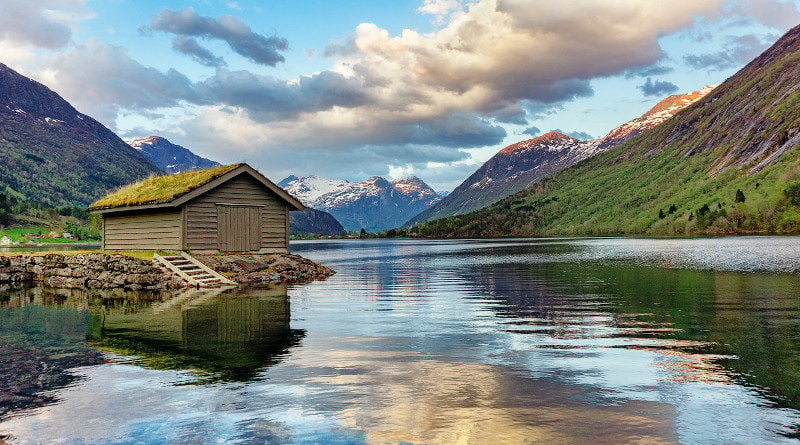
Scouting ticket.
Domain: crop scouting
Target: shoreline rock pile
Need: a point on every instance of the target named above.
(104, 271)
(259, 270)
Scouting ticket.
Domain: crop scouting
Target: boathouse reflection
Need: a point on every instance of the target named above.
(222, 335)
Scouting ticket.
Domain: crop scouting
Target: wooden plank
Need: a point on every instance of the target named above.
(142, 223)
(112, 231)
(172, 217)
(222, 231)
(255, 228)
(286, 227)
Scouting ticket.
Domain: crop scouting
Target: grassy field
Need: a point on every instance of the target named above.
(17, 235)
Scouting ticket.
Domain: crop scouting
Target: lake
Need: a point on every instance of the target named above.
(560, 340)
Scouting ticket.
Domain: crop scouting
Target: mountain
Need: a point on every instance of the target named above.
(663, 110)
(374, 204)
(512, 169)
(728, 163)
(287, 180)
(520, 165)
(53, 154)
(170, 157)
(314, 222)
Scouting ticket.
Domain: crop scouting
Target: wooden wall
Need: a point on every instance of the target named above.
(143, 232)
(201, 215)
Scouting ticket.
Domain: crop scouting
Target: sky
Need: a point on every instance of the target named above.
(356, 88)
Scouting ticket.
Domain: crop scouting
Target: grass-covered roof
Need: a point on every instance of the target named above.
(160, 189)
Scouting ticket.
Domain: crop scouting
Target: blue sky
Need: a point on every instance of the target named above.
(356, 88)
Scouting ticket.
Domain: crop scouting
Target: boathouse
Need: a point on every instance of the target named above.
(231, 208)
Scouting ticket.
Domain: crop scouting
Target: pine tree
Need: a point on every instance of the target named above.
(739, 196)
(661, 214)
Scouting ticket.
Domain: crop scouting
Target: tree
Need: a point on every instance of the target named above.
(363, 233)
(739, 196)
(661, 214)
(672, 209)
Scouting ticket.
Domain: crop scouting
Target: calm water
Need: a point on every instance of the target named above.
(507, 341)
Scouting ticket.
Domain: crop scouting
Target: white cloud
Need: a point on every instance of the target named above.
(41, 23)
(440, 8)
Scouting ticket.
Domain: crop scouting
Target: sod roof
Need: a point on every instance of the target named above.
(161, 189)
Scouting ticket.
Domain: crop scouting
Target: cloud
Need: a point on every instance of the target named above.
(737, 52)
(532, 131)
(40, 23)
(268, 99)
(440, 8)
(648, 71)
(582, 135)
(409, 97)
(101, 79)
(657, 88)
(778, 14)
(234, 31)
(189, 46)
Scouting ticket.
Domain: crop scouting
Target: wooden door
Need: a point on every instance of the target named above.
(238, 228)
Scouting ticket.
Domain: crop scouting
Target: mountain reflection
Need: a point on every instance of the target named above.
(715, 326)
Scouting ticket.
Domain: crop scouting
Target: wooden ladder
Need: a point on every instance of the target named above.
(193, 271)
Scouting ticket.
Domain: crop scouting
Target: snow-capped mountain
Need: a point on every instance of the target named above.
(662, 111)
(311, 188)
(170, 157)
(374, 204)
(512, 169)
(518, 166)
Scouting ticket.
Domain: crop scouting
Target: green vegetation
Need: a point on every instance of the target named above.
(724, 163)
(160, 189)
(19, 218)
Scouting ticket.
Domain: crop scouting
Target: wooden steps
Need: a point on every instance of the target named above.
(193, 271)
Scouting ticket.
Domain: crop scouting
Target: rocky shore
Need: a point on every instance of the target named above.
(114, 271)
(257, 270)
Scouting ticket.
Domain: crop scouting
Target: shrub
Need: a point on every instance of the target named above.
(792, 193)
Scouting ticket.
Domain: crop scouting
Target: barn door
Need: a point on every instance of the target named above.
(238, 228)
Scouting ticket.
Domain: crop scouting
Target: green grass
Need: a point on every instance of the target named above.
(17, 235)
(160, 189)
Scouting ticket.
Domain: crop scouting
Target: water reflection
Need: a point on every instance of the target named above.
(223, 335)
(504, 341)
(218, 336)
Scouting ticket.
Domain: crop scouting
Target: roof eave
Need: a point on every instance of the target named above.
(166, 205)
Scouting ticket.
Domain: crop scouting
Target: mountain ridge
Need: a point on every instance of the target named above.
(522, 164)
(55, 155)
(374, 204)
(171, 158)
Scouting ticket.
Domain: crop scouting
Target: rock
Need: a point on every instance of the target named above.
(258, 270)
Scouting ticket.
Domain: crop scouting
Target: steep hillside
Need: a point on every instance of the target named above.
(512, 169)
(313, 222)
(727, 164)
(374, 204)
(54, 155)
(520, 165)
(170, 157)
